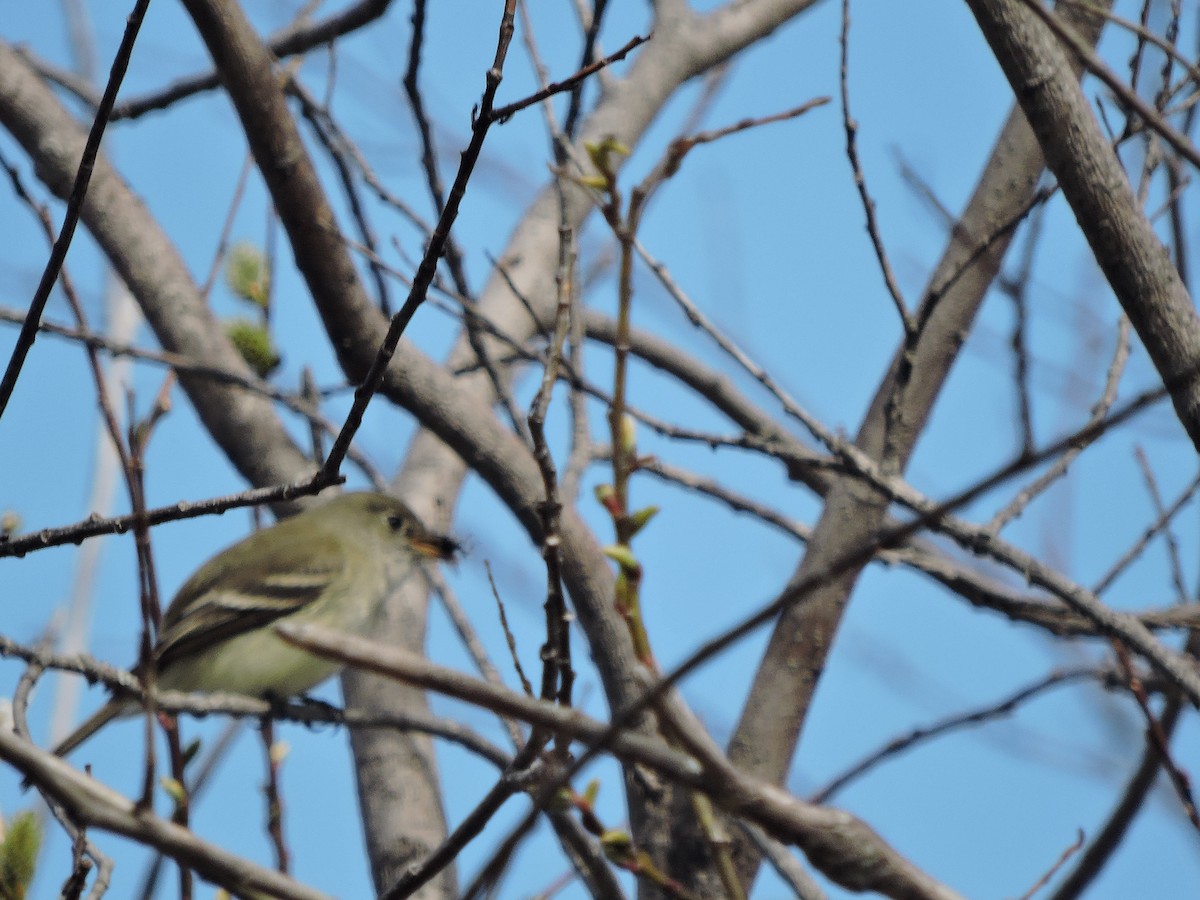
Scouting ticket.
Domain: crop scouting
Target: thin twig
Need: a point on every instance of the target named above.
(1092, 62)
(437, 245)
(1161, 522)
(1158, 738)
(526, 686)
(83, 177)
(1173, 556)
(504, 113)
(860, 182)
(73, 534)
(1058, 864)
(474, 647)
(272, 757)
(1001, 709)
(1101, 408)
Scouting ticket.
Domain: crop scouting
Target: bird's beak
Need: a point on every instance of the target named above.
(435, 546)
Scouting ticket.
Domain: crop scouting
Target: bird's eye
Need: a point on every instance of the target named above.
(396, 523)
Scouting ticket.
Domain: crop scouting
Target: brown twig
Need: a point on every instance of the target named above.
(526, 686)
(83, 176)
(1158, 526)
(73, 534)
(860, 181)
(466, 831)
(1157, 737)
(105, 809)
(1160, 509)
(235, 203)
(896, 746)
(292, 42)
(591, 39)
(1099, 410)
(150, 609)
(558, 677)
(188, 366)
(461, 623)
(1058, 864)
(273, 758)
(335, 142)
(437, 245)
(835, 838)
(504, 113)
(1178, 141)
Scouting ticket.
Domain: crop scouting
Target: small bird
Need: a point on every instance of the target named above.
(331, 565)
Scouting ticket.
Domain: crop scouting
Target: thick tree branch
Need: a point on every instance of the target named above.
(846, 849)
(243, 423)
(1133, 259)
(769, 730)
(96, 805)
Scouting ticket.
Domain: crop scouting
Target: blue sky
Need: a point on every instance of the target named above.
(765, 232)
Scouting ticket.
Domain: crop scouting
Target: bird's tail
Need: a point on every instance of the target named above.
(98, 720)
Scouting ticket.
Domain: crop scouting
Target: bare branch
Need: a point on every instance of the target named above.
(838, 843)
(99, 806)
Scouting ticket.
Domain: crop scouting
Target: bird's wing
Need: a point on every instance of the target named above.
(245, 589)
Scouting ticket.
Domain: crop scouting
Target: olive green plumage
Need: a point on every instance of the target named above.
(331, 565)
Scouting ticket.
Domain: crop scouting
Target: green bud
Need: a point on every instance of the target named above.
(622, 556)
(616, 843)
(642, 517)
(279, 752)
(607, 495)
(253, 342)
(10, 524)
(247, 275)
(599, 152)
(18, 855)
(592, 791)
(174, 789)
(628, 434)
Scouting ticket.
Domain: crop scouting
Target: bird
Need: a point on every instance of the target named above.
(330, 565)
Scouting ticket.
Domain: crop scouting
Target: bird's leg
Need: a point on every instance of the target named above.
(323, 711)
